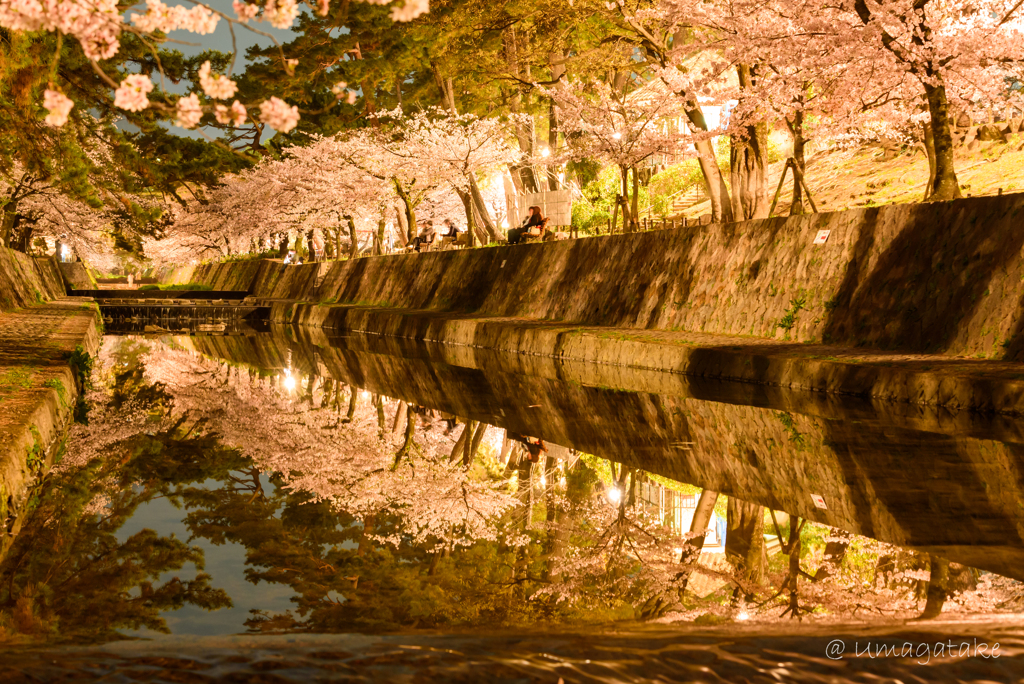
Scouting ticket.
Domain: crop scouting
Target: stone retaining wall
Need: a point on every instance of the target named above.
(25, 281)
(264, 278)
(941, 277)
(76, 275)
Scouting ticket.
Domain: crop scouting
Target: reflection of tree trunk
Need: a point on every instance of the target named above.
(459, 449)
(937, 588)
(382, 420)
(399, 413)
(378, 243)
(693, 546)
(557, 534)
(835, 552)
(474, 444)
(744, 541)
(410, 434)
(364, 539)
(351, 405)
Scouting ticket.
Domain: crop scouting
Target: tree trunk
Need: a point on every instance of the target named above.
(353, 248)
(945, 185)
(747, 161)
(403, 226)
(634, 211)
(557, 62)
(7, 223)
(714, 182)
(467, 204)
(627, 221)
(485, 215)
(796, 128)
(693, 546)
(410, 211)
(378, 240)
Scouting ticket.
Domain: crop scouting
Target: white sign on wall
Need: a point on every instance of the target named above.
(822, 237)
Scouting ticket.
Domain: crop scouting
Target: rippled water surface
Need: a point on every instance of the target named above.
(273, 483)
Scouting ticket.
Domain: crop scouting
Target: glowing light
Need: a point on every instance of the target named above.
(545, 153)
(562, 481)
(743, 616)
(288, 381)
(678, 551)
(614, 495)
(65, 253)
(616, 135)
(543, 480)
(364, 395)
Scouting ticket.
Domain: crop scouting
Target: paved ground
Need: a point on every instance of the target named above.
(653, 655)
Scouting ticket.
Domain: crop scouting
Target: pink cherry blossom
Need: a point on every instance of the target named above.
(281, 13)
(161, 17)
(216, 86)
(276, 113)
(59, 107)
(236, 115)
(189, 111)
(132, 94)
(245, 11)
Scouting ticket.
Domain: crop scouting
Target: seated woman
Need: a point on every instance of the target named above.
(424, 239)
(534, 220)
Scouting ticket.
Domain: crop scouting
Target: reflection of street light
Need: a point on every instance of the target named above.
(743, 616)
(288, 381)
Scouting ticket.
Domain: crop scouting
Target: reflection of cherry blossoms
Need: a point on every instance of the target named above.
(313, 446)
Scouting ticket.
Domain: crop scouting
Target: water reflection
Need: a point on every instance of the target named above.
(365, 491)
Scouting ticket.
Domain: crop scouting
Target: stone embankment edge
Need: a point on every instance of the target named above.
(44, 426)
(860, 377)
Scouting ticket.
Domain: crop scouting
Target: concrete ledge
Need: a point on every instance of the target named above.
(933, 380)
(38, 394)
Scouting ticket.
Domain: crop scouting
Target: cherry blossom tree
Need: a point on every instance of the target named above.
(99, 26)
(620, 128)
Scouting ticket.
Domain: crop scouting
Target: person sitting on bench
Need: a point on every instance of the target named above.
(422, 242)
(533, 221)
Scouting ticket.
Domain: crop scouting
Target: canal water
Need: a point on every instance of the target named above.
(286, 484)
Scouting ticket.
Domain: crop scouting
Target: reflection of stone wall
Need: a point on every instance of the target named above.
(963, 498)
(945, 276)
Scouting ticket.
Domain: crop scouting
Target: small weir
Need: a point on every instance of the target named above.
(180, 309)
